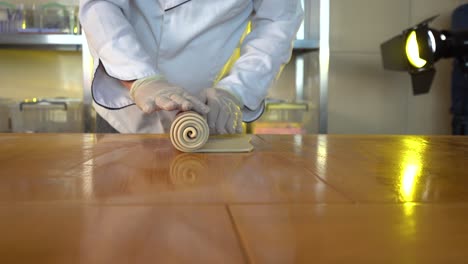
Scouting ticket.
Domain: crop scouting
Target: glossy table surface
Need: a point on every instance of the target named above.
(77, 198)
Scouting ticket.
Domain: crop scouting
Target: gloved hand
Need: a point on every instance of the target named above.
(225, 115)
(154, 93)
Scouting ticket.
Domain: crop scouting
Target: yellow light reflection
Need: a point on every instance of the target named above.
(412, 51)
(410, 225)
(409, 178)
(409, 209)
(411, 167)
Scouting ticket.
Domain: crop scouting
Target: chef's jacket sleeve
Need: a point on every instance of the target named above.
(263, 52)
(113, 38)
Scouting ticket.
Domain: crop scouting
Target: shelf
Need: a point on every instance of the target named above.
(41, 41)
(287, 106)
(77, 40)
(306, 45)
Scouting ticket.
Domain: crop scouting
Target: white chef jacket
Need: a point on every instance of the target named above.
(188, 42)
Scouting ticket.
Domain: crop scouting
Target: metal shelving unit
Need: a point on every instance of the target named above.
(314, 40)
(78, 43)
(41, 39)
(306, 45)
(60, 42)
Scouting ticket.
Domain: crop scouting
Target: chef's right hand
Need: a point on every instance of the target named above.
(154, 93)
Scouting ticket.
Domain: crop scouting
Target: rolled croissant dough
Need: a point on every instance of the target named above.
(190, 133)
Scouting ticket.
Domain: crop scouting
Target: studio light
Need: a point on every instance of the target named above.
(418, 48)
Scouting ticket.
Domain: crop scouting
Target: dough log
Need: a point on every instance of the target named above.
(189, 132)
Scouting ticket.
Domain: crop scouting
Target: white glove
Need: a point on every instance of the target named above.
(225, 115)
(154, 93)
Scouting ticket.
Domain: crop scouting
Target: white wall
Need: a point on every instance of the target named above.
(365, 99)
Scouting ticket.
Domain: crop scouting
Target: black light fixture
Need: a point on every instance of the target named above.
(418, 48)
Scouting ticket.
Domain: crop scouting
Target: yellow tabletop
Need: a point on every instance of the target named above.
(77, 198)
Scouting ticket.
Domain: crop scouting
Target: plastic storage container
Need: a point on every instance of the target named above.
(29, 19)
(55, 18)
(9, 17)
(53, 115)
(49, 18)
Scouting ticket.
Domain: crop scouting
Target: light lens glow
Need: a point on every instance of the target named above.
(433, 41)
(412, 51)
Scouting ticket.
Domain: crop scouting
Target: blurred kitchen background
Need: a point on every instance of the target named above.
(334, 83)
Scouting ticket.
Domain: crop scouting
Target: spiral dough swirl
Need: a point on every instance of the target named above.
(189, 132)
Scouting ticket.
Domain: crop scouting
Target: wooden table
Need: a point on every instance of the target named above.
(71, 198)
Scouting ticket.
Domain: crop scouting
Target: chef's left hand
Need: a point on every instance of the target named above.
(225, 115)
